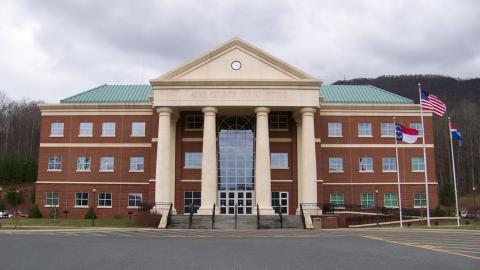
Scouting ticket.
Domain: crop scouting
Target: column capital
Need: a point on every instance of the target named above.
(166, 111)
(209, 110)
(262, 110)
(308, 110)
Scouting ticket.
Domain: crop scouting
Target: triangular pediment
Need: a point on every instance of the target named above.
(251, 63)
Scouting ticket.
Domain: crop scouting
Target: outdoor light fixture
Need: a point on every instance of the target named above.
(94, 205)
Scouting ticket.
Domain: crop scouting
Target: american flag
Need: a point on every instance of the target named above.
(431, 102)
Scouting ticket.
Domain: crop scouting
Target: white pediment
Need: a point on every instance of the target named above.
(255, 64)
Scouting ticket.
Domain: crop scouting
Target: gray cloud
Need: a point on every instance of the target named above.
(52, 49)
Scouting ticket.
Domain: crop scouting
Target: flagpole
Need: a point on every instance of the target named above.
(398, 174)
(454, 173)
(424, 154)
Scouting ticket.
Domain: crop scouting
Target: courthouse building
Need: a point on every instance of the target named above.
(235, 126)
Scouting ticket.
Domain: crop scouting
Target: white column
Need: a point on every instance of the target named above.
(309, 161)
(263, 185)
(162, 173)
(298, 120)
(209, 162)
(173, 134)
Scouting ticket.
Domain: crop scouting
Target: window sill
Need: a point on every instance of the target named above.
(422, 171)
(51, 206)
(335, 136)
(336, 172)
(387, 136)
(365, 136)
(54, 170)
(107, 136)
(366, 171)
(56, 136)
(389, 171)
(134, 207)
(280, 168)
(137, 136)
(419, 207)
(106, 171)
(85, 136)
(193, 129)
(391, 207)
(192, 167)
(80, 206)
(139, 171)
(104, 207)
(80, 171)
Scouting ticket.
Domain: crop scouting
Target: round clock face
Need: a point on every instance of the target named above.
(236, 65)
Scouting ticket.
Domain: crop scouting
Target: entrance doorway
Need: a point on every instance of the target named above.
(242, 199)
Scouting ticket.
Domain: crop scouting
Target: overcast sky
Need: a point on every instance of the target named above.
(50, 50)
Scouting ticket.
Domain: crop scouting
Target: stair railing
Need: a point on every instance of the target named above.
(170, 209)
(280, 215)
(213, 217)
(190, 218)
(258, 217)
(303, 216)
(236, 215)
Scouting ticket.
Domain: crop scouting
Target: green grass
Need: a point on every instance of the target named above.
(450, 224)
(72, 223)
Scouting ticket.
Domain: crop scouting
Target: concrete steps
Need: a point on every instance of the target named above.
(244, 222)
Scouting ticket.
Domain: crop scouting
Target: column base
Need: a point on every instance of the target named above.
(160, 210)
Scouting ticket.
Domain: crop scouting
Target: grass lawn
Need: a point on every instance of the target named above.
(73, 223)
(450, 224)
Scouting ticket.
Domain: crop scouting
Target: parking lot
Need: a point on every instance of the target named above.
(229, 249)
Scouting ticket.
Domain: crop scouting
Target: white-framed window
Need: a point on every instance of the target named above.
(104, 200)
(136, 164)
(194, 121)
(417, 126)
(107, 164)
(419, 200)
(337, 199)
(389, 164)
(108, 129)
(280, 201)
(193, 160)
(364, 129)
(134, 199)
(335, 164)
(81, 199)
(334, 129)
(367, 200)
(56, 129)
(387, 129)
(278, 121)
(51, 199)
(54, 163)
(86, 129)
(138, 129)
(366, 164)
(191, 198)
(390, 200)
(418, 164)
(83, 164)
(279, 160)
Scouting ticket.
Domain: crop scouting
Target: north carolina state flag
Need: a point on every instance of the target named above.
(404, 134)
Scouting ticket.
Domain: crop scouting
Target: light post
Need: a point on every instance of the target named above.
(94, 205)
(474, 203)
(376, 202)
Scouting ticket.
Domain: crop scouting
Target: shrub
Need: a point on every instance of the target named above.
(14, 198)
(439, 212)
(90, 214)
(35, 212)
(2, 205)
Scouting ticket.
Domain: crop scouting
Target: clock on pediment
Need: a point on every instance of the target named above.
(236, 65)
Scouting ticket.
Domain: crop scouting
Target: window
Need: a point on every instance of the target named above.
(417, 164)
(56, 129)
(134, 199)
(51, 199)
(191, 198)
(417, 126)
(83, 164)
(335, 164)
(334, 129)
(108, 129)
(278, 121)
(106, 164)
(280, 201)
(364, 129)
(390, 200)
(388, 129)
(389, 164)
(279, 160)
(104, 200)
(136, 164)
(193, 160)
(419, 200)
(337, 199)
(366, 200)
(138, 129)
(54, 163)
(366, 164)
(194, 121)
(86, 129)
(81, 199)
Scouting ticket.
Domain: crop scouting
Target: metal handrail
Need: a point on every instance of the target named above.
(258, 217)
(236, 215)
(213, 217)
(280, 215)
(190, 219)
(303, 216)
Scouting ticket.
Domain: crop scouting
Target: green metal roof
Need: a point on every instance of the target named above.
(360, 94)
(113, 94)
(140, 93)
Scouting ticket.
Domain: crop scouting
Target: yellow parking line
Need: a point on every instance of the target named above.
(427, 247)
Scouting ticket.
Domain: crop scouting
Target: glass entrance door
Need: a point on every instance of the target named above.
(242, 199)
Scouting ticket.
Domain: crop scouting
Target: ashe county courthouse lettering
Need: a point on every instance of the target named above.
(236, 128)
